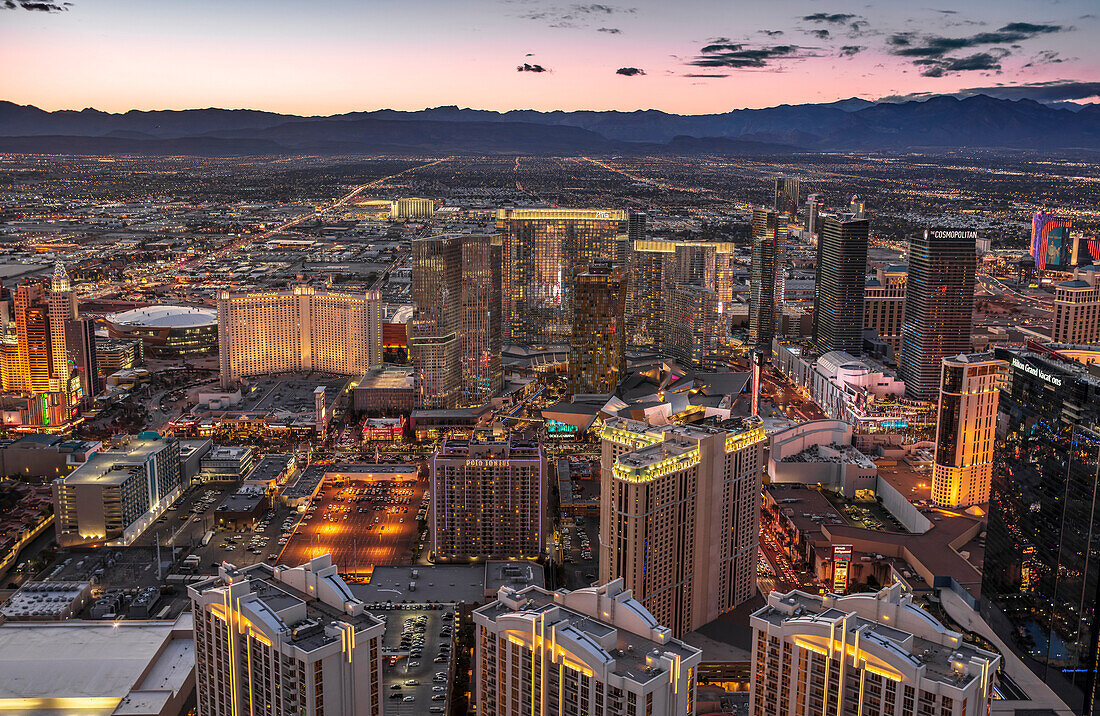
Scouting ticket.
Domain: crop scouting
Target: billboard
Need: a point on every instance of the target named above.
(842, 560)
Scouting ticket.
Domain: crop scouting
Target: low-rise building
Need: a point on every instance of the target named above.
(227, 462)
(116, 494)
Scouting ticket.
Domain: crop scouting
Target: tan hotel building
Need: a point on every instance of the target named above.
(679, 516)
(298, 330)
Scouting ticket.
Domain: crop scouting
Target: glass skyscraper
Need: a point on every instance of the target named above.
(786, 196)
(597, 356)
(454, 334)
(939, 303)
(1042, 561)
(544, 249)
(841, 280)
(769, 241)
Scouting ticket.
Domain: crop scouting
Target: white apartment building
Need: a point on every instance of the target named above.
(590, 652)
(966, 429)
(298, 330)
(679, 515)
(871, 654)
(279, 640)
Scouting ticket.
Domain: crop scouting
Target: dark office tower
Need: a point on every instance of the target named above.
(80, 342)
(841, 278)
(815, 204)
(597, 356)
(786, 196)
(481, 276)
(769, 239)
(1041, 575)
(939, 303)
(692, 324)
(543, 250)
(454, 336)
(635, 231)
(435, 340)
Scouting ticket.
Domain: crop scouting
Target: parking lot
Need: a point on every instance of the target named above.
(361, 524)
(580, 550)
(417, 649)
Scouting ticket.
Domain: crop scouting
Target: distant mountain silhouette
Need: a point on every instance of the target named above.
(941, 122)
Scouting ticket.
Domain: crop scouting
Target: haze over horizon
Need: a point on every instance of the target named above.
(702, 56)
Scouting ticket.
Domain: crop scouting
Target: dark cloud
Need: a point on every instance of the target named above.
(712, 76)
(934, 54)
(939, 46)
(820, 34)
(737, 56)
(851, 50)
(527, 67)
(772, 33)
(979, 61)
(837, 18)
(1044, 92)
(629, 71)
(37, 6)
(1045, 57)
(577, 15)
(610, 30)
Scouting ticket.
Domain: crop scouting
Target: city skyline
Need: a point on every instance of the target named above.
(338, 56)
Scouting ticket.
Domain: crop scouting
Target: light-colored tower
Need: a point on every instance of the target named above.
(298, 330)
(884, 304)
(62, 310)
(488, 498)
(597, 356)
(692, 324)
(594, 651)
(872, 654)
(33, 368)
(1077, 308)
(679, 515)
(966, 429)
(283, 641)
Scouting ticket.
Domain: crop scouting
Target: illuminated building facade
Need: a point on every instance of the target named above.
(1077, 308)
(693, 324)
(298, 330)
(488, 498)
(966, 429)
(939, 307)
(679, 515)
(769, 242)
(544, 250)
(811, 221)
(655, 265)
(1040, 576)
(875, 654)
(787, 191)
(884, 304)
(597, 355)
(413, 208)
(115, 495)
(1051, 245)
(454, 334)
(282, 641)
(839, 289)
(594, 651)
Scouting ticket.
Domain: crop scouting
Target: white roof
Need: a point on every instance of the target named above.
(166, 317)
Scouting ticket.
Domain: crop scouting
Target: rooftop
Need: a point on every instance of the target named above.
(145, 662)
(166, 317)
(115, 466)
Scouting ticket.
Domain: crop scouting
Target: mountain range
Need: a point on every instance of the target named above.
(938, 123)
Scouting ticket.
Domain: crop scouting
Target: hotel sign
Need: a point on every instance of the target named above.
(954, 233)
(1037, 372)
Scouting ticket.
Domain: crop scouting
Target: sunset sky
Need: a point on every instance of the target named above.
(689, 56)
